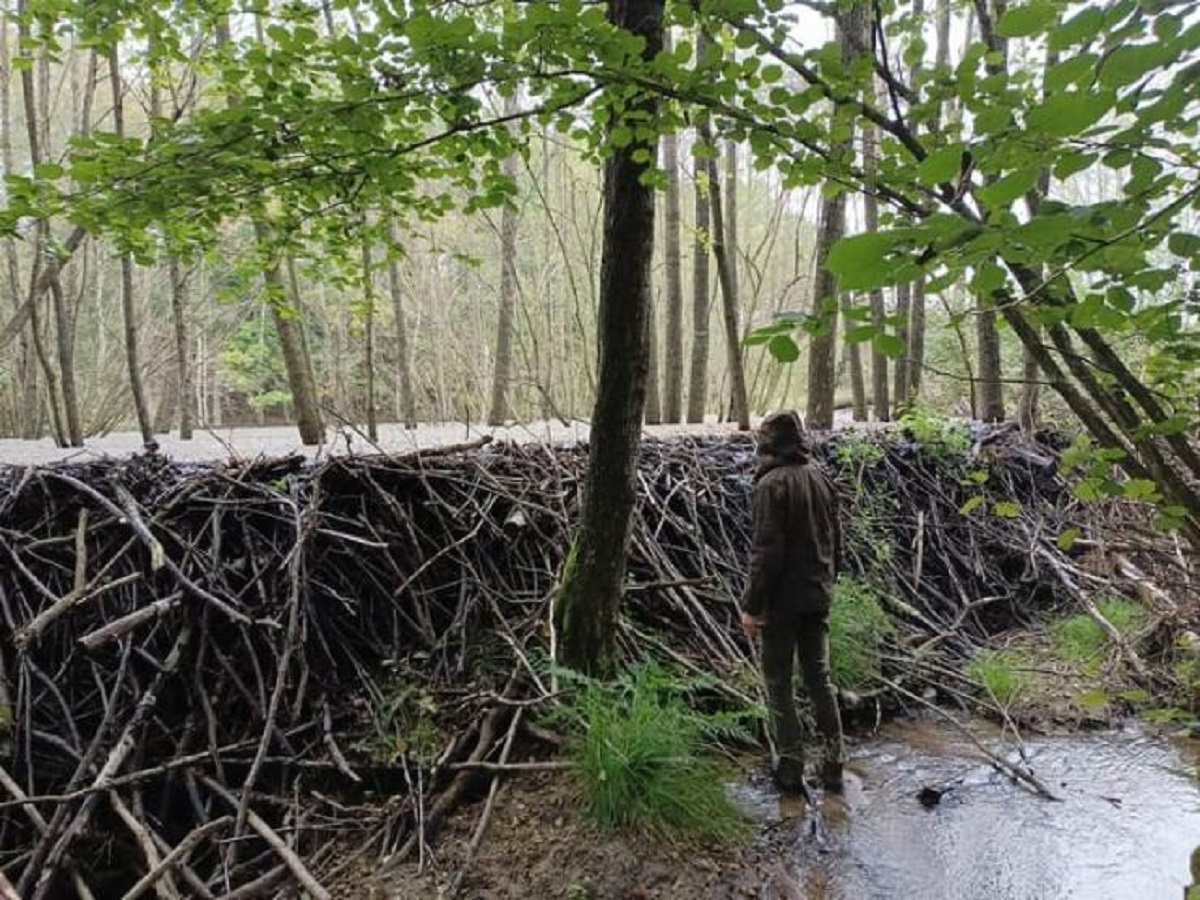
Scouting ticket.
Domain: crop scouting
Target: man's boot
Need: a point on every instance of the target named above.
(831, 777)
(789, 775)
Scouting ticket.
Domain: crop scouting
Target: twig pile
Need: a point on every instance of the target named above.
(192, 654)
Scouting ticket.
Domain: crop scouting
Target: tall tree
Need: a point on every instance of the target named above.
(502, 372)
(697, 403)
(406, 404)
(879, 360)
(588, 599)
(900, 395)
(368, 316)
(739, 409)
(854, 362)
(128, 309)
(723, 253)
(177, 276)
(822, 347)
(673, 339)
(286, 312)
(653, 400)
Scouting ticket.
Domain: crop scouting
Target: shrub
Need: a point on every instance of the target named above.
(642, 761)
(858, 628)
(999, 671)
(936, 434)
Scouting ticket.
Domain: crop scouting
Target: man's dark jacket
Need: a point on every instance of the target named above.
(797, 535)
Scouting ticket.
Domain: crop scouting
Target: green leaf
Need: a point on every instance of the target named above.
(783, 348)
(621, 136)
(860, 334)
(890, 345)
(864, 261)
(1070, 113)
(1067, 539)
(941, 165)
(1127, 64)
(1013, 186)
(48, 171)
(1140, 489)
(1183, 244)
(1006, 509)
(1080, 29)
(1028, 19)
(971, 505)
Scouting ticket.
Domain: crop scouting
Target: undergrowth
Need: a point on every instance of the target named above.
(1000, 673)
(936, 434)
(643, 754)
(1079, 639)
(858, 628)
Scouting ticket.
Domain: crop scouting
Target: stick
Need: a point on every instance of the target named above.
(181, 850)
(999, 762)
(486, 816)
(288, 856)
(120, 627)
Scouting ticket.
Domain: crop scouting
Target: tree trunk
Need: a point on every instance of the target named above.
(900, 396)
(723, 251)
(653, 401)
(732, 251)
(368, 281)
(858, 384)
(177, 275)
(183, 345)
(588, 600)
(128, 312)
(289, 324)
(502, 372)
(673, 381)
(822, 346)
(991, 387)
(697, 403)
(916, 340)
(1027, 405)
(406, 400)
(879, 360)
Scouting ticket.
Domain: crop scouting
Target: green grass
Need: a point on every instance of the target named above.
(858, 628)
(1080, 639)
(642, 758)
(999, 671)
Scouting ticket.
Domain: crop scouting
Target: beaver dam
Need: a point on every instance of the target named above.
(217, 677)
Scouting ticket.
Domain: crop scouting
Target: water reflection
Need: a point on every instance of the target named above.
(1126, 829)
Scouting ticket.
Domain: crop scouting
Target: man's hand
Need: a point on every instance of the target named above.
(752, 625)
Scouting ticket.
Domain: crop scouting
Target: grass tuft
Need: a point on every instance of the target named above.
(1080, 639)
(858, 628)
(643, 761)
(999, 671)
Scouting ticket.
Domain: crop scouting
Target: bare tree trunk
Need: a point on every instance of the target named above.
(900, 395)
(740, 404)
(916, 340)
(698, 383)
(740, 410)
(991, 387)
(407, 406)
(653, 401)
(27, 418)
(673, 387)
(879, 360)
(502, 373)
(858, 383)
(128, 313)
(585, 613)
(368, 280)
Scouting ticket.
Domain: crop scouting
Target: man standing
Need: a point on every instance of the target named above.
(794, 563)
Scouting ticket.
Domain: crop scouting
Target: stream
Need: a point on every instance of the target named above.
(1126, 828)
